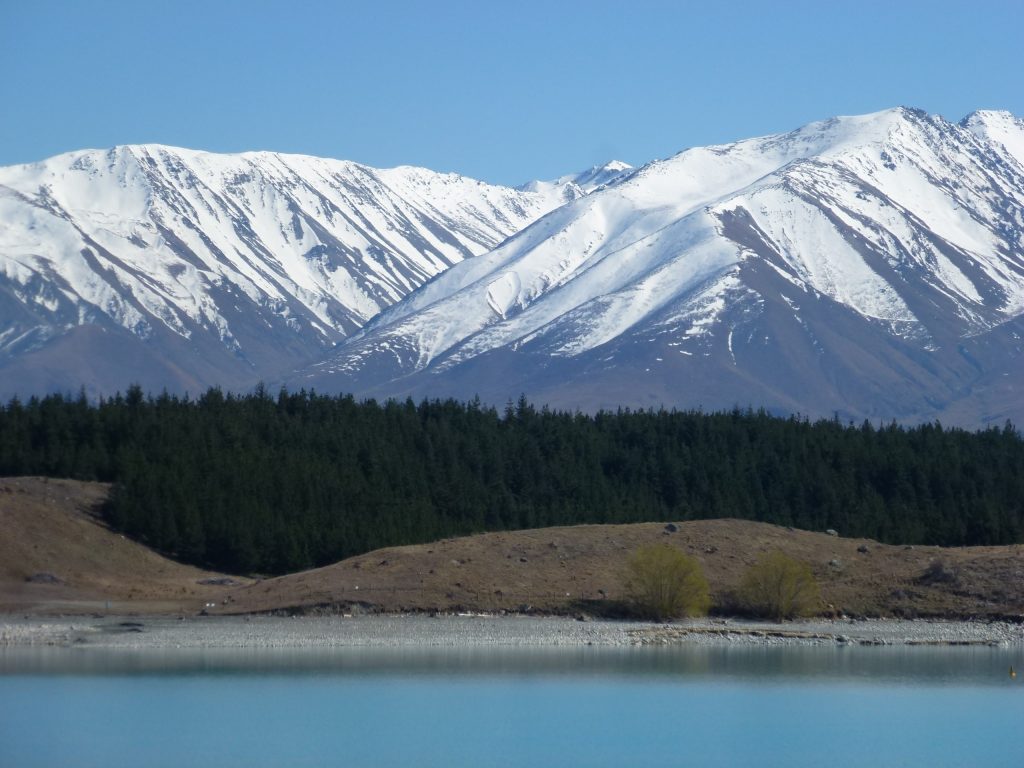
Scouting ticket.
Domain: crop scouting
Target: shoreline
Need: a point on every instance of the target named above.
(472, 631)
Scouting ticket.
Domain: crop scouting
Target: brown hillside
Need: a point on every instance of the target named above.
(57, 557)
(583, 568)
(49, 527)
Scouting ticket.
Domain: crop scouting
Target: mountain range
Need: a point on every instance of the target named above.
(183, 269)
(867, 267)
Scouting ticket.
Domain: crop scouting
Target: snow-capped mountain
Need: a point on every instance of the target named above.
(576, 185)
(870, 266)
(185, 269)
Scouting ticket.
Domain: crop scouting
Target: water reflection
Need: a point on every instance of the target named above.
(678, 664)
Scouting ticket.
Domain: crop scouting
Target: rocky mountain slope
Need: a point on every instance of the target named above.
(184, 269)
(869, 266)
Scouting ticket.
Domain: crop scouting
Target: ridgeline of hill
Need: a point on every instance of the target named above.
(56, 556)
(261, 484)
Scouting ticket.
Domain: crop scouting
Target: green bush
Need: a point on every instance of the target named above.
(779, 587)
(664, 583)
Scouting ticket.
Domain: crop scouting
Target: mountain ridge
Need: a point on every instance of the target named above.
(868, 266)
(259, 260)
(906, 225)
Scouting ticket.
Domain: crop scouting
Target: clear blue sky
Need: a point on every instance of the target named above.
(502, 91)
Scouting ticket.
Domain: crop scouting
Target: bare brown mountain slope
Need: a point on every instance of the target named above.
(48, 527)
(57, 557)
(582, 568)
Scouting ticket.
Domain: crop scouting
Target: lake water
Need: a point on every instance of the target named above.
(675, 706)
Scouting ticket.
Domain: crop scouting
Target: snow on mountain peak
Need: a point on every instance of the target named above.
(599, 175)
(575, 185)
(850, 258)
(256, 250)
(983, 117)
(999, 128)
(905, 226)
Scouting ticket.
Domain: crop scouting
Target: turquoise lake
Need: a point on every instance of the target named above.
(676, 706)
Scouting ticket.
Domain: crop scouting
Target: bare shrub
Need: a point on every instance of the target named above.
(665, 584)
(779, 587)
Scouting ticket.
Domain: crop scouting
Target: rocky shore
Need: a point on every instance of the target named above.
(418, 631)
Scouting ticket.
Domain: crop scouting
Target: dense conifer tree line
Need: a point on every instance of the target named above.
(267, 484)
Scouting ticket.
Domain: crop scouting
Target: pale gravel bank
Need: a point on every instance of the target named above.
(420, 631)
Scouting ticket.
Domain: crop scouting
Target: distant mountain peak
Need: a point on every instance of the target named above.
(990, 116)
(256, 260)
(600, 175)
(852, 265)
(574, 185)
(1001, 128)
(865, 265)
